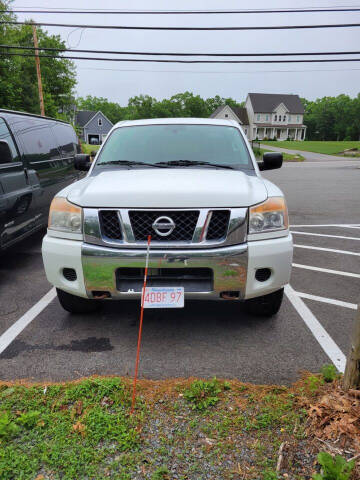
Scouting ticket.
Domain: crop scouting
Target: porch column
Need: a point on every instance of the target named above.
(296, 133)
(287, 133)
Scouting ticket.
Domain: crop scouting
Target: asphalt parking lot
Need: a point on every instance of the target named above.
(40, 341)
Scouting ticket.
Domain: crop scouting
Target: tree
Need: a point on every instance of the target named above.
(352, 370)
(113, 111)
(18, 81)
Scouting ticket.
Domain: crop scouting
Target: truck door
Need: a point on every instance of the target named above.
(17, 207)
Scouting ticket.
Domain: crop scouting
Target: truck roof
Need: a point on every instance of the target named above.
(177, 121)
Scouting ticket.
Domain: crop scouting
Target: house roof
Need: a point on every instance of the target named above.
(83, 117)
(267, 102)
(240, 112)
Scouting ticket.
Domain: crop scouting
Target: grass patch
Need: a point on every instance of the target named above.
(184, 429)
(203, 394)
(287, 157)
(87, 148)
(329, 148)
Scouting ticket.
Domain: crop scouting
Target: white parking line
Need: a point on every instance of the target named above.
(326, 270)
(333, 250)
(15, 329)
(321, 335)
(325, 235)
(332, 301)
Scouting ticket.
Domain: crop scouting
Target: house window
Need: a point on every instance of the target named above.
(226, 115)
(289, 118)
(100, 122)
(258, 117)
(245, 131)
(275, 118)
(298, 119)
(284, 118)
(267, 118)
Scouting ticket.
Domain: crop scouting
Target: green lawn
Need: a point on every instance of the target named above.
(89, 148)
(287, 157)
(329, 148)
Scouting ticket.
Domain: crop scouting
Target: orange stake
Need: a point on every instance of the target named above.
(140, 327)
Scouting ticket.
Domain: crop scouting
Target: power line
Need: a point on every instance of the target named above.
(156, 60)
(180, 54)
(222, 71)
(183, 12)
(142, 27)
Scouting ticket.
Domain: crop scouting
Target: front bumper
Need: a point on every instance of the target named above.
(233, 267)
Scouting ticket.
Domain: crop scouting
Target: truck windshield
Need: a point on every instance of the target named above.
(176, 145)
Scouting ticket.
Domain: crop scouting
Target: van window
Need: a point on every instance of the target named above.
(5, 135)
(39, 141)
(66, 138)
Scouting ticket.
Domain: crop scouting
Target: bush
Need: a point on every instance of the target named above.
(333, 468)
(329, 373)
(203, 394)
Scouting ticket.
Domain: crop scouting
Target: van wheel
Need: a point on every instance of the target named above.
(265, 306)
(74, 304)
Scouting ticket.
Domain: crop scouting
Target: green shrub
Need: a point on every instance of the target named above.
(29, 420)
(257, 152)
(161, 473)
(203, 394)
(329, 373)
(8, 428)
(333, 468)
(313, 383)
(269, 475)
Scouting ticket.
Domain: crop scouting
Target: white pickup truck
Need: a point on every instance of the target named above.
(219, 231)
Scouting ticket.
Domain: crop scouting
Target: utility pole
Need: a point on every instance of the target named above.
(38, 71)
(352, 370)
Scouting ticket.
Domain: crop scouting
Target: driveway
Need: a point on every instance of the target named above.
(309, 156)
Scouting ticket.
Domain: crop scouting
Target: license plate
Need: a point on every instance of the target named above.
(164, 297)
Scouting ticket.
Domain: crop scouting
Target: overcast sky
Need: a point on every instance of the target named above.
(116, 82)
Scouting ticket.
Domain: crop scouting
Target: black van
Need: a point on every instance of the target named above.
(36, 161)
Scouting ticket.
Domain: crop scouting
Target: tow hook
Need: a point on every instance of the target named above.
(232, 295)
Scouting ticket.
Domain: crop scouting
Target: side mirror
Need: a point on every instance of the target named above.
(5, 152)
(271, 161)
(82, 162)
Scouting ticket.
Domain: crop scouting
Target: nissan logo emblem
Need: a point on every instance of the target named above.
(163, 226)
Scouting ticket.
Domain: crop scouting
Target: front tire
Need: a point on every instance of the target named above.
(73, 304)
(265, 306)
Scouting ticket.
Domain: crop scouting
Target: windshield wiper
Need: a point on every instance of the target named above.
(129, 163)
(190, 163)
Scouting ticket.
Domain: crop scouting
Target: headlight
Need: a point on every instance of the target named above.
(65, 216)
(269, 216)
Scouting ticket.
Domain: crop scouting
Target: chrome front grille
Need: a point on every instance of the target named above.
(218, 225)
(110, 224)
(185, 223)
(185, 228)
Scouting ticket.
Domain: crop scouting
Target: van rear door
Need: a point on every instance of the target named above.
(17, 206)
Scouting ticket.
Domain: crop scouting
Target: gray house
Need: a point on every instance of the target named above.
(94, 126)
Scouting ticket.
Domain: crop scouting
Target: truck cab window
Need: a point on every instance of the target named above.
(5, 136)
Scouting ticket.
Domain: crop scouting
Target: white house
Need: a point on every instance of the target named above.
(269, 116)
(239, 114)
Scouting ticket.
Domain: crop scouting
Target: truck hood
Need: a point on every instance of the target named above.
(168, 188)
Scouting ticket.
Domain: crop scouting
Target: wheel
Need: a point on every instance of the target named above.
(74, 304)
(265, 306)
